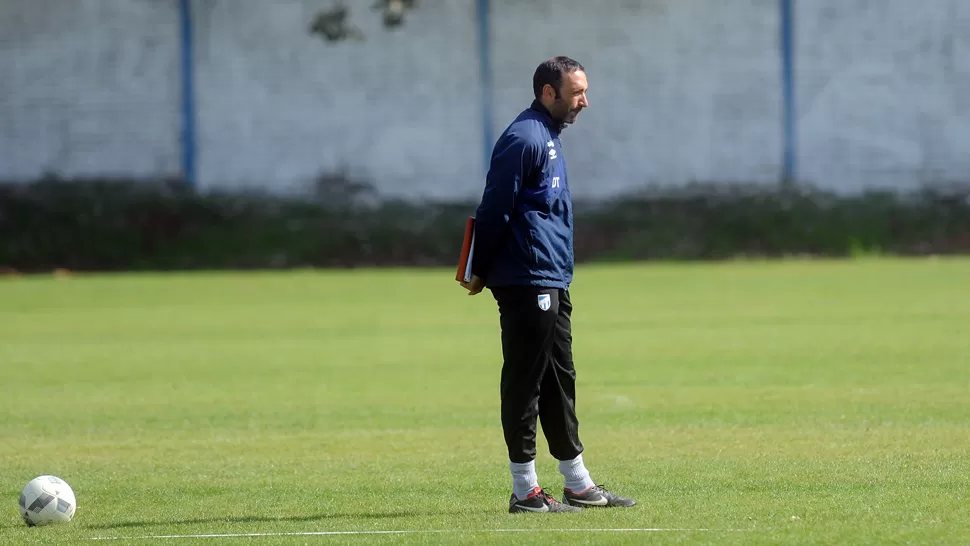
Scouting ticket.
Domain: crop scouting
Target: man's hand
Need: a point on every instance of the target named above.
(473, 286)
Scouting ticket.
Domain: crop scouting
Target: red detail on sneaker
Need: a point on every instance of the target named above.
(535, 491)
(571, 492)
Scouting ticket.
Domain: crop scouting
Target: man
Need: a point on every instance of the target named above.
(524, 255)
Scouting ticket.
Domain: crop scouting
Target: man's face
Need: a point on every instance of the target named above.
(571, 100)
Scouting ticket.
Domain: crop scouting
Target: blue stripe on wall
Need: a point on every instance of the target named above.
(788, 89)
(485, 69)
(188, 94)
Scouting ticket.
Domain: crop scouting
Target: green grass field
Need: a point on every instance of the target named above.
(740, 403)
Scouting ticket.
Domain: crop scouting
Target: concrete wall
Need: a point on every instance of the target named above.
(884, 91)
(680, 90)
(278, 105)
(88, 87)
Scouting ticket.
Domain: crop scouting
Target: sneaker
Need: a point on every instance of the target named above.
(596, 495)
(539, 501)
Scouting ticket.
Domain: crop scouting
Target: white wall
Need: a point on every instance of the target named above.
(681, 90)
(88, 87)
(884, 94)
(278, 105)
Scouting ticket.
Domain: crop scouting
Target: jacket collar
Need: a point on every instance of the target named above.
(554, 126)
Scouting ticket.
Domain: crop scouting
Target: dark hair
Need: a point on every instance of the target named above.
(551, 72)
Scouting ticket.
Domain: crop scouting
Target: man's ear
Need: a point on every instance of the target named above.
(546, 89)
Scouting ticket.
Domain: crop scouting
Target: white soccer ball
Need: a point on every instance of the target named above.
(46, 500)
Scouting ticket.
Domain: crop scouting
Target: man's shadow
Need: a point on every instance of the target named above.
(272, 519)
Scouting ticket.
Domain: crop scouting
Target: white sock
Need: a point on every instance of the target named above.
(577, 477)
(524, 478)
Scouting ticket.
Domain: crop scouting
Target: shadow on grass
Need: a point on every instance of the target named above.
(283, 519)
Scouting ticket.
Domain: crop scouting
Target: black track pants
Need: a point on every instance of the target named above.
(538, 377)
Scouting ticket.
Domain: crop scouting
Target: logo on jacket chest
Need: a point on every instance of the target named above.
(553, 154)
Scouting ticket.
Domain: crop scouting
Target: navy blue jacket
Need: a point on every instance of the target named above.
(524, 223)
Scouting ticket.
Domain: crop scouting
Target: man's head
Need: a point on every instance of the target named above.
(560, 85)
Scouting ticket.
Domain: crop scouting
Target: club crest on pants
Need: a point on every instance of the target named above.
(545, 302)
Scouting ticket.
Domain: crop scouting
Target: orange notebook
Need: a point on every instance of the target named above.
(464, 273)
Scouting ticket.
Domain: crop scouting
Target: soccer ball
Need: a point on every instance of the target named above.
(47, 500)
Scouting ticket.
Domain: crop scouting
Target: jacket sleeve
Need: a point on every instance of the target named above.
(513, 161)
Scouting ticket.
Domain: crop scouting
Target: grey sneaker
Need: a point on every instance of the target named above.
(595, 496)
(539, 501)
